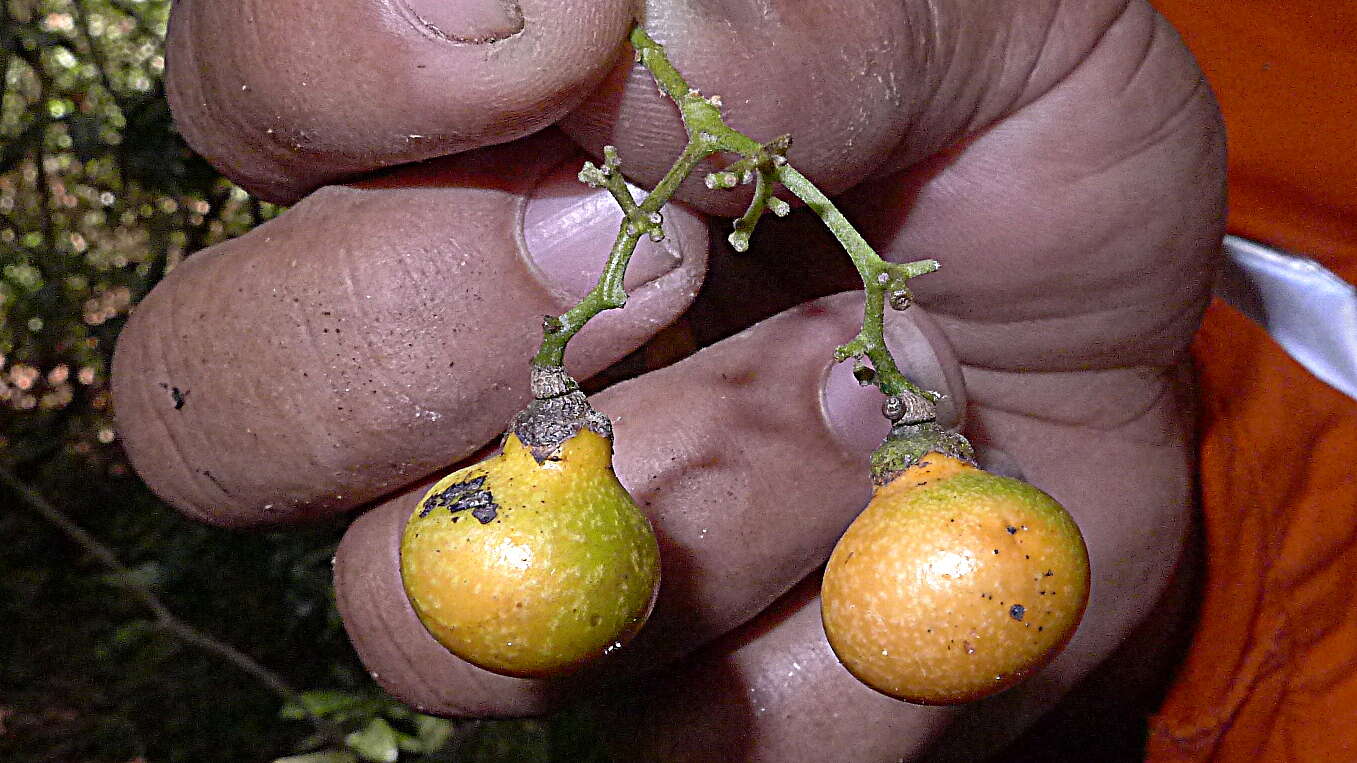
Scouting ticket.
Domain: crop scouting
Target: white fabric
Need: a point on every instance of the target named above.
(1308, 310)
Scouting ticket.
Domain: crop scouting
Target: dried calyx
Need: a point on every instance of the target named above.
(915, 432)
(558, 411)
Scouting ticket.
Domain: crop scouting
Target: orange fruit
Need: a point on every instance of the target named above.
(953, 584)
(530, 568)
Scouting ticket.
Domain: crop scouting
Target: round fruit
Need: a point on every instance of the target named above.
(953, 584)
(531, 568)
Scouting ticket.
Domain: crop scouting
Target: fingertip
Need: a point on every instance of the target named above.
(286, 101)
(471, 21)
(923, 353)
(569, 229)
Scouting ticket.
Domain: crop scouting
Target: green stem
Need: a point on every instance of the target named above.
(708, 134)
(878, 278)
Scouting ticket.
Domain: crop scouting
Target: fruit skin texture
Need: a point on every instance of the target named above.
(532, 569)
(953, 584)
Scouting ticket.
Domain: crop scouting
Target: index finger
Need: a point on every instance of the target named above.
(284, 100)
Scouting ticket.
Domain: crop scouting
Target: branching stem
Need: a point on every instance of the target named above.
(165, 619)
(762, 164)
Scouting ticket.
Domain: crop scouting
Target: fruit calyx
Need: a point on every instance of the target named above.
(558, 411)
(915, 432)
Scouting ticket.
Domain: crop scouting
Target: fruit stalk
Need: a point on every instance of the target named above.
(764, 165)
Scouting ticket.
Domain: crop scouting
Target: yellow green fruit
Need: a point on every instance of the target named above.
(953, 584)
(532, 569)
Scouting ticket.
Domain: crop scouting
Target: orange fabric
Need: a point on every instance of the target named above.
(1272, 671)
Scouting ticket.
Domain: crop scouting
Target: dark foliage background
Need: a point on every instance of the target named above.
(120, 620)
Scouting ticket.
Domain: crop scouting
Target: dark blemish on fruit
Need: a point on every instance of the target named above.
(464, 496)
(1048, 573)
(996, 552)
(1012, 530)
(967, 646)
(1017, 611)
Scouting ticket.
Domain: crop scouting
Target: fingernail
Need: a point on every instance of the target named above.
(468, 20)
(922, 352)
(569, 228)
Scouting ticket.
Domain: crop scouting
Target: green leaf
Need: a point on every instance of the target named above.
(327, 756)
(322, 703)
(376, 742)
(432, 732)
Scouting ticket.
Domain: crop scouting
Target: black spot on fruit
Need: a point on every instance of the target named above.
(467, 495)
(1017, 611)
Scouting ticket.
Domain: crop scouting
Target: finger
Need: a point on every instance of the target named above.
(881, 85)
(374, 333)
(749, 458)
(777, 692)
(1082, 231)
(771, 692)
(286, 97)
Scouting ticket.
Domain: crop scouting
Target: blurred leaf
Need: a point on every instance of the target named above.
(430, 734)
(376, 742)
(332, 756)
(155, 155)
(324, 704)
(87, 141)
(21, 147)
(147, 574)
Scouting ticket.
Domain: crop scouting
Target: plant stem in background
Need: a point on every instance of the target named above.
(143, 593)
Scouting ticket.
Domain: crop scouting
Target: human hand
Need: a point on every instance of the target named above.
(1064, 164)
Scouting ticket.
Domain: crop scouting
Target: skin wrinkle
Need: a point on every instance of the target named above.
(1029, 76)
(1083, 390)
(1163, 130)
(1109, 355)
